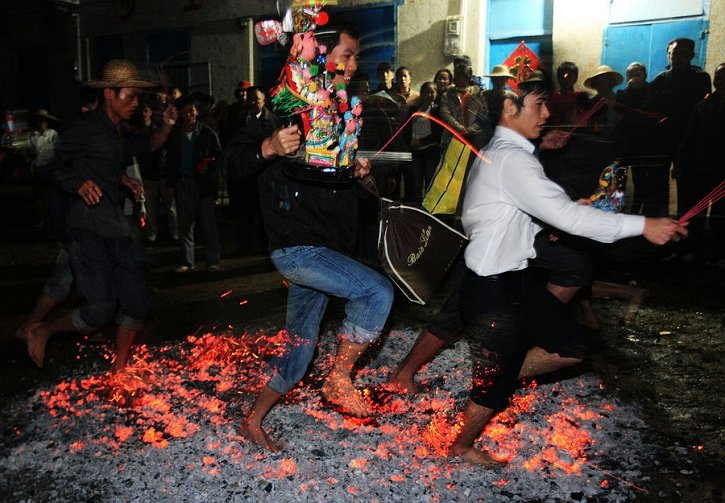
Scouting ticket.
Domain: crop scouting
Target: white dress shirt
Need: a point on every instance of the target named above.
(503, 196)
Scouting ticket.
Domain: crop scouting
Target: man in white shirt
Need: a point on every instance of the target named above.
(527, 329)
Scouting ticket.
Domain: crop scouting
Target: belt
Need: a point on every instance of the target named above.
(506, 276)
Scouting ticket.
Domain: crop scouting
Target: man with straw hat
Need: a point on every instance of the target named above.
(89, 164)
(500, 75)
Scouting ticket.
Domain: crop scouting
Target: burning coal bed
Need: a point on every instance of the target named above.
(168, 431)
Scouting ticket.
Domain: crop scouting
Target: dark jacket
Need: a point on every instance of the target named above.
(301, 213)
(674, 94)
(297, 212)
(206, 148)
(92, 149)
(239, 158)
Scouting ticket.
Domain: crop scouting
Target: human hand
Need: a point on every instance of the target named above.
(134, 186)
(90, 192)
(554, 139)
(170, 116)
(362, 168)
(283, 141)
(663, 230)
(203, 165)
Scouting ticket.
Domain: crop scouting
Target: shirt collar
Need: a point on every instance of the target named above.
(513, 136)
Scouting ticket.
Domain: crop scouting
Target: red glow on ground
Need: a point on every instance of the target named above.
(169, 394)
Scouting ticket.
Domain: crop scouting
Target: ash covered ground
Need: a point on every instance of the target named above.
(640, 422)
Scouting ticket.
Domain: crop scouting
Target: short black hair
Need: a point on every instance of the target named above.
(444, 70)
(462, 59)
(566, 67)
(384, 67)
(681, 41)
(89, 97)
(186, 99)
(329, 36)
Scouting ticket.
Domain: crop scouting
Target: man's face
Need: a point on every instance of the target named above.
(387, 77)
(188, 114)
(567, 79)
(121, 106)
(718, 80)
(679, 56)
(256, 101)
(461, 79)
(403, 79)
(346, 53)
(530, 120)
(636, 76)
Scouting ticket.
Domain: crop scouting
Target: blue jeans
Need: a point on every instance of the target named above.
(111, 278)
(314, 274)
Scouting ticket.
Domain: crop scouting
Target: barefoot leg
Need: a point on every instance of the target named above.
(251, 428)
(36, 339)
(338, 388)
(475, 418)
(424, 349)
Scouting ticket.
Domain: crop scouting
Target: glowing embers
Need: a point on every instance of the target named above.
(168, 392)
(190, 397)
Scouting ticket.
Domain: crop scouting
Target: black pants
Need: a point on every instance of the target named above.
(505, 316)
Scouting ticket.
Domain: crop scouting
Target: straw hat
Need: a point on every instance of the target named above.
(500, 71)
(45, 115)
(120, 73)
(604, 70)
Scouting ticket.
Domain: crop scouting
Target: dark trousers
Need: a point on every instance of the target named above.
(110, 276)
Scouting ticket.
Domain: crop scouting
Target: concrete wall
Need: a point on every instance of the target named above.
(716, 40)
(577, 34)
(579, 26)
(217, 38)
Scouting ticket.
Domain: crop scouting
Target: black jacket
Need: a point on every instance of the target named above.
(206, 147)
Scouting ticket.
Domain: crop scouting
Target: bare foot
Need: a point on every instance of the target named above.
(36, 339)
(22, 331)
(339, 391)
(258, 436)
(477, 457)
(636, 297)
(405, 384)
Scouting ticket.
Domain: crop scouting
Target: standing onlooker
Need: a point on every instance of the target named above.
(566, 103)
(385, 75)
(635, 139)
(443, 80)
(192, 152)
(603, 81)
(89, 164)
(402, 86)
(499, 76)
(701, 162)
(42, 147)
(463, 107)
(423, 137)
(674, 94)
(153, 173)
(236, 112)
(242, 180)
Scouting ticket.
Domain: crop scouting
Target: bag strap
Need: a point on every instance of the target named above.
(368, 183)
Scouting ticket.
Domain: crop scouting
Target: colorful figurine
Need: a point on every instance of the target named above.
(609, 196)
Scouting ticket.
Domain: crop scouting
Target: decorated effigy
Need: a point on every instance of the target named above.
(609, 195)
(311, 91)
